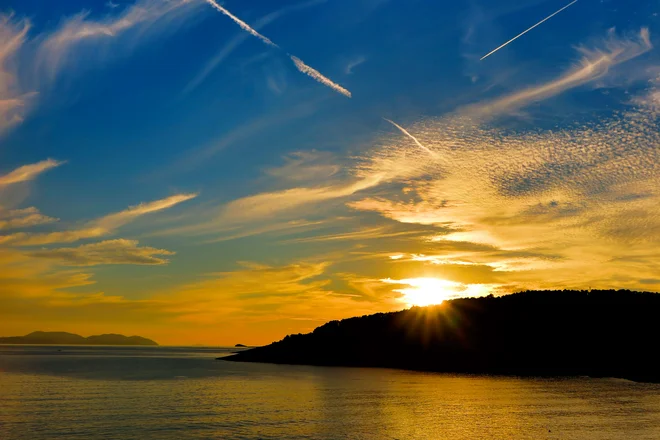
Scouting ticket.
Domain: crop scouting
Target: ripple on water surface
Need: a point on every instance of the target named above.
(174, 393)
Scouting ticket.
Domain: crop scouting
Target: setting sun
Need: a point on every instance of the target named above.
(426, 291)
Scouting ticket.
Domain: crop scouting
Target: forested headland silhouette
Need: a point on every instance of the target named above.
(604, 333)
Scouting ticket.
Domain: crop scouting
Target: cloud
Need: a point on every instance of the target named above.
(28, 172)
(354, 63)
(279, 210)
(304, 166)
(37, 60)
(96, 228)
(118, 251)
(23, 218)
(266, 302)
(146, 16)
(114, 221)
(373, 233)
(423, 213)
(267, 205)
(304, 68)
(13, 100)
(526, 203)
(594, 64)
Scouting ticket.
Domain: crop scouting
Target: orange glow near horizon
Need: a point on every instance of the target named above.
(433, 291)
(425, 291)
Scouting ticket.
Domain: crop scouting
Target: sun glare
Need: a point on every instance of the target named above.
(425, 291)
(432, 291)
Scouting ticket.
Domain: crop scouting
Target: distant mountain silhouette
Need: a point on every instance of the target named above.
(240, 345)
(63, 338)
(541, 333)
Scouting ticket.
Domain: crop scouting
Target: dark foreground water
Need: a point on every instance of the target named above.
(179, 393)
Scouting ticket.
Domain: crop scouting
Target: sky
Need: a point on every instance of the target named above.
(220, 172)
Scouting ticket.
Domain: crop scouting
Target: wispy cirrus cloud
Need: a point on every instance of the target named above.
(28, 172)
(594, 64)
(37, 60)
(13, 100)
(357, 61)
(23, 218)
(96, 228)
(142, 19)
(269, 204)
(119, 251)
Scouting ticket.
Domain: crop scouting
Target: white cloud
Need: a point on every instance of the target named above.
(29, 64)
(141, 19)
(13, 101)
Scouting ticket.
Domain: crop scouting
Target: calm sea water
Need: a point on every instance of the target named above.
(179, 393)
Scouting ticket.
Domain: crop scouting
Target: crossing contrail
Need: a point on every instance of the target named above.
(536, 25)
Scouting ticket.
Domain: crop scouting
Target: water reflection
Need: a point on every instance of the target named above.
(173, 394)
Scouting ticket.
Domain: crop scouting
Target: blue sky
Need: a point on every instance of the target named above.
(163, 170)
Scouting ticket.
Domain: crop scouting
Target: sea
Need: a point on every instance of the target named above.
(59, 392)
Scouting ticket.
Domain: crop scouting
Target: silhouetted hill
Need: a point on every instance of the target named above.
(63, 338)
(544, 333)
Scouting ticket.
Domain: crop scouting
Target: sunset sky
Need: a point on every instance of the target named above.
(203, 172)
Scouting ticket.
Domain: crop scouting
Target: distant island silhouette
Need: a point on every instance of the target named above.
(64, 338)
(603, 333)
(240, 345)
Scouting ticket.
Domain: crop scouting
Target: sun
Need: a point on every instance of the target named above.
(432, 291)
(426, 291)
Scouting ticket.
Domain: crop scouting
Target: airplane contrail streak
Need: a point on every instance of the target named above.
(246, 27)
(404, 131)
(523, 33)
(304, 68)
(300, 65)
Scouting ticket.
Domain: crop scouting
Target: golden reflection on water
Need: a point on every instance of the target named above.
(202, 398)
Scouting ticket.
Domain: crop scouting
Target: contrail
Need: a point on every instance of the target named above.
(404, 131)
(537, 24)
(304, 68)
(241, 23)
